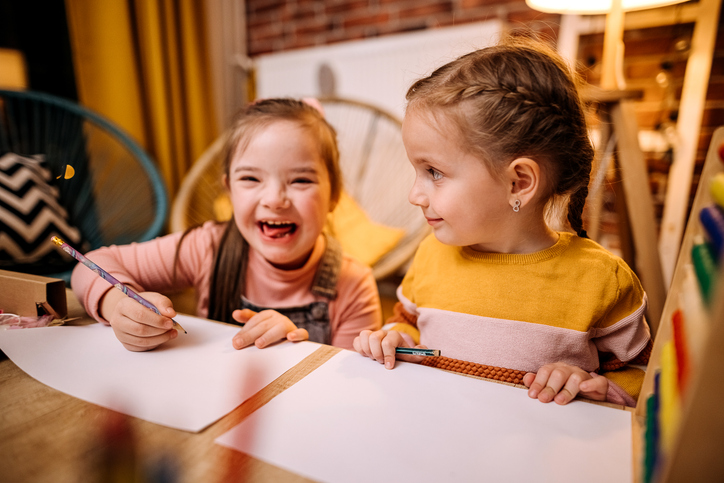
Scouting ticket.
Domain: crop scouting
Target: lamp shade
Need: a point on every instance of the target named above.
(594, 7)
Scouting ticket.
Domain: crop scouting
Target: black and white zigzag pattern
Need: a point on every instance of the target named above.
(30, 213)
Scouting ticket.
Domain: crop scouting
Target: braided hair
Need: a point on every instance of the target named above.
(516, 99)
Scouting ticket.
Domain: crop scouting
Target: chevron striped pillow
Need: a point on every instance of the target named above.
(30, 214)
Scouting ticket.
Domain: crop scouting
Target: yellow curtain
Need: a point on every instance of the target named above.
(143, 64)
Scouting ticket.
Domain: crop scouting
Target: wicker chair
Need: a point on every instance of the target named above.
(374, 165)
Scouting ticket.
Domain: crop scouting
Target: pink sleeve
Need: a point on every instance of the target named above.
(357, 306)
(147, 266)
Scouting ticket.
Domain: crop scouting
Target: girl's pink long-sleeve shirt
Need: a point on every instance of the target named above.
(149, 266)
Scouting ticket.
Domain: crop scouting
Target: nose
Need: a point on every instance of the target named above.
(275, 196)
(417, 195)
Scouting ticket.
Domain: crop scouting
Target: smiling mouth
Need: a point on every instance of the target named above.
(277, 229)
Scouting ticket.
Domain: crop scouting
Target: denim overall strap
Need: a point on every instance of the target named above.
(314, 317)
(325, 280)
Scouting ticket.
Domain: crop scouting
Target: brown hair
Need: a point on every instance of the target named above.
(516, 99)
(230, 261)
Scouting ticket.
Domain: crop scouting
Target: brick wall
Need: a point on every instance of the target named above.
(275, 25)
(649, 55)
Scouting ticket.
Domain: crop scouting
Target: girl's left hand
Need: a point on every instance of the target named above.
(265, 328)
(561, 382)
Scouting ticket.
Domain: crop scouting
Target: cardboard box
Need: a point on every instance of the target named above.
(32, 295)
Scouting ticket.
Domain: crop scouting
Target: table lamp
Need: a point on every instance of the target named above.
(612, 62)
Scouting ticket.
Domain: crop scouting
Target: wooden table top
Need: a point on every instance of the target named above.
(47, 435)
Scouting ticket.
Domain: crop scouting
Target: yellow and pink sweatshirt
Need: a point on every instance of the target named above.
(574, 302)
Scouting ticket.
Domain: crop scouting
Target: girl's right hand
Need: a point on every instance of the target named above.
(380, 345)
(135, 326)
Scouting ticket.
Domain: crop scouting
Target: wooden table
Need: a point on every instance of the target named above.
(46, 435)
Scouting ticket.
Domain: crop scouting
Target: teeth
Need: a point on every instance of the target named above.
(278, 223)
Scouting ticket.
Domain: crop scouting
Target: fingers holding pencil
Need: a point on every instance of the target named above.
(108, 277)
(136, 327)
(382, 345)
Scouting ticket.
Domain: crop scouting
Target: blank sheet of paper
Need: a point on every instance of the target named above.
(188, 383)
(351, 420)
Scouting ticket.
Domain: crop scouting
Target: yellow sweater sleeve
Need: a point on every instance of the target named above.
(627, 378)
(404, 322)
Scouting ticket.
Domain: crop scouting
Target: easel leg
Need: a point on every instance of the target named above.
(640, 208)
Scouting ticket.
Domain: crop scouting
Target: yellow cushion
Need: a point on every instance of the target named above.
(359, 236)
(222, 207)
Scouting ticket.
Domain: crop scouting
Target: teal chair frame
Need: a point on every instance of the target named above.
(37, 123)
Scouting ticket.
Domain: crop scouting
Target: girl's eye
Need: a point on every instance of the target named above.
(436, 175)
(249, 178)
(302, 180)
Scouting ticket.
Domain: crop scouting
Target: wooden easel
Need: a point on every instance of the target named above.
(637, 220)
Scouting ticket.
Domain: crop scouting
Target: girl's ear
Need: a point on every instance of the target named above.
(524, 178)
(225, 182)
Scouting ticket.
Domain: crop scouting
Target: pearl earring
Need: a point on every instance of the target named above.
(516, 206)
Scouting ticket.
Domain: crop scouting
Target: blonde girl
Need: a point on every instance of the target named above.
(498, 141)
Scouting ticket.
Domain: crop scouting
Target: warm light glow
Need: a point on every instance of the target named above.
(593, 7)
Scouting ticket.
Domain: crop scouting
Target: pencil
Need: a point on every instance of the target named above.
(417, 352)
(109, 278)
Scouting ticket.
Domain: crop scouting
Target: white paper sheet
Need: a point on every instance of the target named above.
(351, 420)
(187, 383)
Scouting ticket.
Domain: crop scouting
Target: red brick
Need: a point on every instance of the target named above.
(264, 18)
(366, 20)
(258, 6)
(269, 32)
(529, 15)
(422, 10)
(466, 4)
(346, 7)
(397, 3)
(301, 13)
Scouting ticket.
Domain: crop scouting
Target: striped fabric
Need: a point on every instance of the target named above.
(573, 302)
(30, 214)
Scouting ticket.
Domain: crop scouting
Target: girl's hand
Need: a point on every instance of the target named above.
(380, 345)
(561, 382)
(265, 328)
(138, 328)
